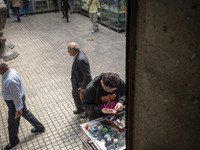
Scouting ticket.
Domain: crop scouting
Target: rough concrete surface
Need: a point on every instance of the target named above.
(167, 109)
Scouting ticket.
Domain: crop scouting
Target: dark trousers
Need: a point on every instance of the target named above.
(13, 123)
(77, 100)
(66, 13)
(25, 9)
(16, 12)
(55, 3)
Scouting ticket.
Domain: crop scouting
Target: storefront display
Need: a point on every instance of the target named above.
(40, 5)
(111, 14)
(106, 134)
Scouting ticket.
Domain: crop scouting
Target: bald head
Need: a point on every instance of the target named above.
(73, 48)
(72, 44)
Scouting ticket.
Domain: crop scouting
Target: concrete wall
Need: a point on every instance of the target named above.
(167, 90)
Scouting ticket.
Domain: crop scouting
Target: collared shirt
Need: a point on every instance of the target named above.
(12, 88)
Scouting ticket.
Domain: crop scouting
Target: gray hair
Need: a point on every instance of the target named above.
(75, 48)
(5, 64)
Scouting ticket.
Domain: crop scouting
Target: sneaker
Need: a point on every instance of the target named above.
(92, 31)
(24, 15)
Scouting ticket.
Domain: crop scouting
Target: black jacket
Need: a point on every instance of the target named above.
(65, 3)
(91, 100)
(80, 73)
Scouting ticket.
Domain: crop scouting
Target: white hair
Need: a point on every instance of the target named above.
(5, 64)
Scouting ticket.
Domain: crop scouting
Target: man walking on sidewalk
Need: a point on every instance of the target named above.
(80, 76)
(13, 94)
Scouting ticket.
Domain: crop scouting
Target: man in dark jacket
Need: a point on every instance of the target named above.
(80, 75)
(104, 95)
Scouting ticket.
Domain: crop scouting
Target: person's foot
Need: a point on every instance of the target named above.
(24, 15)
(11, 145)
(92, 31)
(84, 115)
(34, 130)
(78, 111)
(63, 16)
(18, 20)
(67, 20)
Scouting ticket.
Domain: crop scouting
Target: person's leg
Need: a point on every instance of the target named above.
(63, 12)
(77, 100)
(30, 117)
(13, 123)
(16, 13)
(95, 21)
(54, 3)
(24, 9)
(73, 5)
(27, 9)
(18, 17)
(66, 14)
(91, 17)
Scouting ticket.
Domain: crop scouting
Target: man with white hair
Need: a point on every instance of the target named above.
(13, 94)
(80, 76)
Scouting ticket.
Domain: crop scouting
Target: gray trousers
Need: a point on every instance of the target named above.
(93, 19)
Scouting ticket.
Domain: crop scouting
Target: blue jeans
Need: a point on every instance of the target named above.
(25, 9)
(13, 123)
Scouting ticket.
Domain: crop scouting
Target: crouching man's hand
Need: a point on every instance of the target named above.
(108, 111)
(119, 107)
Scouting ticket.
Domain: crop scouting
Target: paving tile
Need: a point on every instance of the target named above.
(45, 68)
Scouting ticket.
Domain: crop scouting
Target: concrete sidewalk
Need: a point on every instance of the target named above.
(45, 68)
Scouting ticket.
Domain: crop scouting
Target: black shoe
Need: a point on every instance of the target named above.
(63, 16)
(84, 115)
(10, 146)
(78, 111)
(34, 130)
(18, 20)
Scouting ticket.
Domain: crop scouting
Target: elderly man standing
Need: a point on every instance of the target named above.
(13, 94)
(93, 9)
(80, 76)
